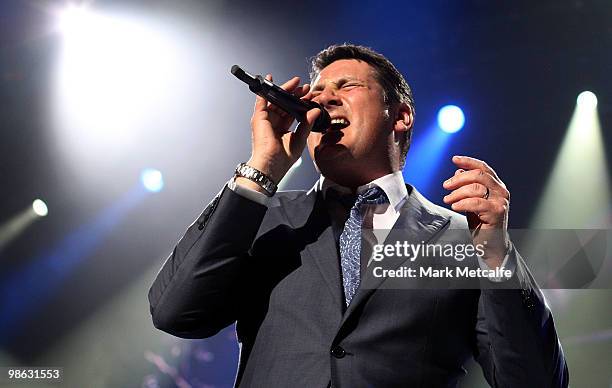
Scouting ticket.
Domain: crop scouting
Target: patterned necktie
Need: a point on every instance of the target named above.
(350, 241)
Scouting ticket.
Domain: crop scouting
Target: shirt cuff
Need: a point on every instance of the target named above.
(509, 263)
(247, 193)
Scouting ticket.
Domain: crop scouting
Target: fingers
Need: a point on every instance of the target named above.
(308, 94)
(305, 90)
(292, 86)
(486, 211)
(478, 192)
(303, 129)
(279, 119)
(472, 205)
(469, 163)
(289, 86)
(297, 139)
(260, 103)
(473, 190)
(477, 176)
(312, 116)
(470, 177)
(302, 90)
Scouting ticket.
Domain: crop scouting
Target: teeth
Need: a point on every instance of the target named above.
(340, 121)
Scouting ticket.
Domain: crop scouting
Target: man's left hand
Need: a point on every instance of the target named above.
(478, 192)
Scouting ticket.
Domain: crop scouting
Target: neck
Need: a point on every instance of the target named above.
(353, 182)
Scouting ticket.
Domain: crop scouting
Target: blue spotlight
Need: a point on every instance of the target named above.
(451, 118)
(25, 290)
(152, 179)
(425, 157)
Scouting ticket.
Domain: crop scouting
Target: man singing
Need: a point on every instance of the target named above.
(286, 267)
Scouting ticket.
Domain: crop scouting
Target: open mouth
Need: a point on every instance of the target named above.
(339, 123)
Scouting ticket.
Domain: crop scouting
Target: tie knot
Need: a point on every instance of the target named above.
(373, 196)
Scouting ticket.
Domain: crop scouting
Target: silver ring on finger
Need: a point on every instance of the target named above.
(486, 195)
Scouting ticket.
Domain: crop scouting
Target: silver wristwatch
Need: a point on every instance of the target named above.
(253, 174)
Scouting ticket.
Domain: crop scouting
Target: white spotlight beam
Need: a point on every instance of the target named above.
(18, 223)
(114, 71)
(577, 193)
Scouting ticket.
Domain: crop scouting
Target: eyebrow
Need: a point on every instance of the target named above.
(340, 81)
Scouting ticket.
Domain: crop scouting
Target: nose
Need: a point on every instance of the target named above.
(328, 97)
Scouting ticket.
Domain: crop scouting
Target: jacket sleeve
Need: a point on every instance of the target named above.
(200, 288)
(517, 344)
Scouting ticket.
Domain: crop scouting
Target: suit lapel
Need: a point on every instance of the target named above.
(312, 223)
(418, 222)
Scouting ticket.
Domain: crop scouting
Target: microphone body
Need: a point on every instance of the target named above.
(284, 100)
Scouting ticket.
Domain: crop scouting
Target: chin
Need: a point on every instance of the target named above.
(324, 153)
(332, 160)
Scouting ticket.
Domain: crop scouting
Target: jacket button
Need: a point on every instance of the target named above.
(338, 352)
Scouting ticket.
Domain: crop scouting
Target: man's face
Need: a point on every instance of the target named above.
(358, 146)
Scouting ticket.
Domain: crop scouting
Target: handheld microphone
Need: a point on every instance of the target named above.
(284, 100)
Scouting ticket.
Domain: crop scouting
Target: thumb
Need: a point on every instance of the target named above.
(303, 129)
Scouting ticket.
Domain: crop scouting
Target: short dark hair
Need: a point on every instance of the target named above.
(396, 89)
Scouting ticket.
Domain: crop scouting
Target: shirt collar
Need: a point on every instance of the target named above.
(392, 184)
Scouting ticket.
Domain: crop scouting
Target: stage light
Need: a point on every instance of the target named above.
(122, 83)
(74, 20)
(424, 159)
(40, 208)
(451, 118)
(152, 180)
(30, 285)
(586, 99)
(18, 223)
(113, 72)
(581, 163)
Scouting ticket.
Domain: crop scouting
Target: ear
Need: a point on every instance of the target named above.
(404, 119)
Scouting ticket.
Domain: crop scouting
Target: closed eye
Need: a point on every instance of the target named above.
(350, 85)
(341, 85)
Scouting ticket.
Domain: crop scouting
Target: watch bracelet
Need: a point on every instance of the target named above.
(254, 175)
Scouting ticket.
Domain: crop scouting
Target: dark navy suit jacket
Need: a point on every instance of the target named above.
(275, 272)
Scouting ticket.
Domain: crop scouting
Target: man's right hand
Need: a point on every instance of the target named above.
(274, 147)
